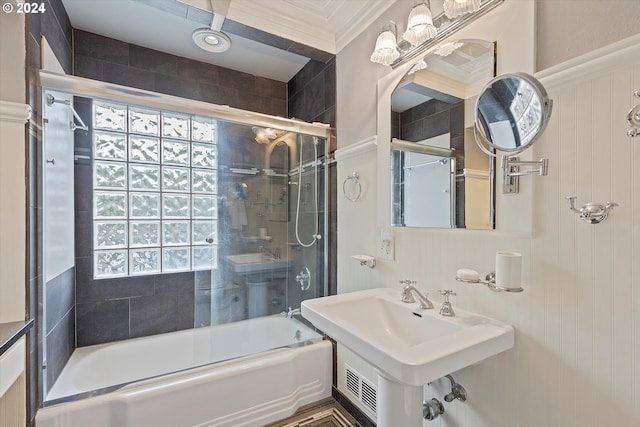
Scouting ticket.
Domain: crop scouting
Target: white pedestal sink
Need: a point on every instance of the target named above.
(256, 263)
(409, 346)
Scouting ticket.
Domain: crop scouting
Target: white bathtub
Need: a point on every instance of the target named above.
(246, 391)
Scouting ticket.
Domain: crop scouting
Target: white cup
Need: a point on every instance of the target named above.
(509, 270)
(262, 232)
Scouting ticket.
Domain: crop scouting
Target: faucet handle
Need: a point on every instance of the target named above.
(446, 309)
(445, 293)
(407, 282)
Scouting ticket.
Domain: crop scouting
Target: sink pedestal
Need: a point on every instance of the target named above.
(398, 404)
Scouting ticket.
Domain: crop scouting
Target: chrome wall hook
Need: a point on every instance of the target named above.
(633, 118)
(591, 213)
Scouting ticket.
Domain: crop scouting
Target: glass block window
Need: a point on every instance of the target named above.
(154, 191)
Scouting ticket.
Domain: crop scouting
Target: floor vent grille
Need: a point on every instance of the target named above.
(362, 389)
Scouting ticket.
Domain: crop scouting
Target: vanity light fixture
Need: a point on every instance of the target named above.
(420, 26)
(448, 48)
(266, 135)
(424, 30)
(386, 50)
(455, 8)
(420, 65)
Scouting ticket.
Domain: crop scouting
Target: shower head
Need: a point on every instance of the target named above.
(213, 39)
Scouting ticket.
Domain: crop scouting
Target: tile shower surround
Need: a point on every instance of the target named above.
(155, 304)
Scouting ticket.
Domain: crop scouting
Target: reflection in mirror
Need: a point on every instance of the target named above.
(440, 178)
(512, 111)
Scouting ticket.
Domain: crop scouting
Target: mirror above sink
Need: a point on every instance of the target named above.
(440, 178)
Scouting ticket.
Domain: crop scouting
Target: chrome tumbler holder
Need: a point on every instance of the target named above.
(490, 282)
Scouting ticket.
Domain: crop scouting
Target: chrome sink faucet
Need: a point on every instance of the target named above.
(410, 293)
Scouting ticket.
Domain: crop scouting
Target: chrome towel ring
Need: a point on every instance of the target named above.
(356, 187)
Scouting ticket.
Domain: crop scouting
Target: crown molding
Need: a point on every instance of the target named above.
(271, 21)
(361, 22)
(590, 65)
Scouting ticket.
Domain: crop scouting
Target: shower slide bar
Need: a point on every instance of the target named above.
(52, 100)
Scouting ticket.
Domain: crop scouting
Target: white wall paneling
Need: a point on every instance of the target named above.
(575, 362)
(13, 117)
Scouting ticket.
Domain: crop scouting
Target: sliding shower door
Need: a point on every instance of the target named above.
(270, 225)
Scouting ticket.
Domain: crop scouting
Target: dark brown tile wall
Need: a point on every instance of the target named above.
(312, 94)
(105, 59)
(60, 323)
(55, 26)
(312, 98)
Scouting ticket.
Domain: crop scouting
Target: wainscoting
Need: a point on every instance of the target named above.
(577, 342)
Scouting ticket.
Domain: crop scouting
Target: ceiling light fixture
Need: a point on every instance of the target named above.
(213, 39)
(454, 8)
(420, 26)
(386, 50)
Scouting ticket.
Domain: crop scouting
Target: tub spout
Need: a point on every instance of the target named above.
(292, 312)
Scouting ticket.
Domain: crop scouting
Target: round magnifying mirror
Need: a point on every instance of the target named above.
(511, 112)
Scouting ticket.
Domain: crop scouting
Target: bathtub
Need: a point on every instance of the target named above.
(255, 372)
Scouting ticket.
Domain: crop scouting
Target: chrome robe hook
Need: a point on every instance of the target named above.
(591, 213)
(633, 118)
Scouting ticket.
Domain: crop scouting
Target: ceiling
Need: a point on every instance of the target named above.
(325, 26)
(469, 64)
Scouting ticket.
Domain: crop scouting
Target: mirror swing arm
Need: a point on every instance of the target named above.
(510, 165)
(530, 97)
